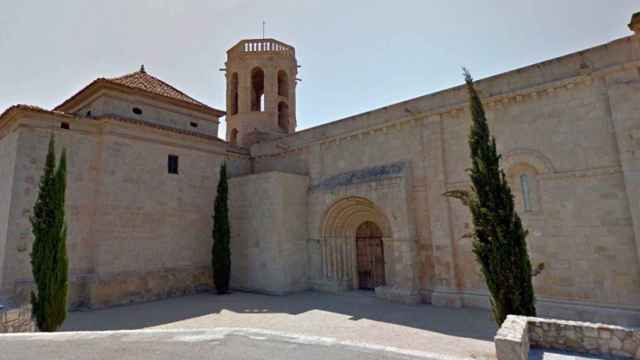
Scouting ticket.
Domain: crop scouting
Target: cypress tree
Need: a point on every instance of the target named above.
(49, 261)
(221, 252)
(499, 239)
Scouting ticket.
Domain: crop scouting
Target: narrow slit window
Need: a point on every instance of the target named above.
(524, 184)
(173, 164)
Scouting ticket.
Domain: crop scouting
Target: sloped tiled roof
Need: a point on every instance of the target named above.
(142, 81)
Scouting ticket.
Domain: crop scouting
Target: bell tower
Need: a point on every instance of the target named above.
(261, 91)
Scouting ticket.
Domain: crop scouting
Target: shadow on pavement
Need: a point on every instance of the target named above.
(469, 323)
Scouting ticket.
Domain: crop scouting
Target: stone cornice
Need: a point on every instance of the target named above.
(583, 173)
(361, 176)
(492, 102)
(15, 112)
(559, 175)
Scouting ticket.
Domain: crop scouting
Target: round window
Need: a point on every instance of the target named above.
(137, 111)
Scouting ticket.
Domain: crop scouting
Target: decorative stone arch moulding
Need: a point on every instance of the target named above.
(533, 163)
(534, 158)
(343, 216)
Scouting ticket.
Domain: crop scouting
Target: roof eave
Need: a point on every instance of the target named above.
(103, 83)
(16, 110)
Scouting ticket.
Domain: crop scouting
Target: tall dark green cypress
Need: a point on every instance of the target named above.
(221, 252)
(49, 261)
(499, 239)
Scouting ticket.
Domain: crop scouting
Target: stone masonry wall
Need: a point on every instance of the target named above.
(268, 232)
(17, 319)
(518, 333)
(588, 338)
(559, 123)
(7, 165)
(110, 103)
(136, 232)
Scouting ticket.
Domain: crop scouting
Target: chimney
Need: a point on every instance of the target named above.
(634, 25)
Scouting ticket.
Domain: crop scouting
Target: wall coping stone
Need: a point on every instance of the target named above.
(518, 333)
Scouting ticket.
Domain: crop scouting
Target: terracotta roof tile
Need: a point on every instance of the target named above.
(141, 80)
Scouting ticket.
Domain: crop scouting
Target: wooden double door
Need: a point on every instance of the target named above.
(370, 256)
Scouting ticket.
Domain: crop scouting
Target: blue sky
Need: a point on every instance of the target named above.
(355, 55)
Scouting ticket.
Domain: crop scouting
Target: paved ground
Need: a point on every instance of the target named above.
(550, 354)
(355, 318)
(230, 344)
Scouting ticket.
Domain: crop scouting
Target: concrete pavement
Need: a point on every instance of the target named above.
(222, 343)
(356, 317)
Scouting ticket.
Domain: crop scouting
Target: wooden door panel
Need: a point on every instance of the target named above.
(370, 256)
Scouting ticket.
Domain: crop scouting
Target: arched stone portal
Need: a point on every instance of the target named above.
(344, 222)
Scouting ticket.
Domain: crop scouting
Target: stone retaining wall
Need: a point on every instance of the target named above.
(16, 320)
(517, 333)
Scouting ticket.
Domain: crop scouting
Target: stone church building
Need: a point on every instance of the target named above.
(352, 204)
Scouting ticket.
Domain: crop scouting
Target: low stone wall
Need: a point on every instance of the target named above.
(589, 338)
(16, 320)
(512, 339)
(517, 333)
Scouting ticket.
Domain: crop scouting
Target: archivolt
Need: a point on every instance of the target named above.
(338, 244)
(534, 158)
(345, 215)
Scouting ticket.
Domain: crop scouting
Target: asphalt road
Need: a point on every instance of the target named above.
(223, 343)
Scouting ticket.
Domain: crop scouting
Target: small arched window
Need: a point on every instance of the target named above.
(524, 183)
(233, 90)
(233, 137)
(283, 116)
(257, 89)
(526, 194)
(283, 84)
